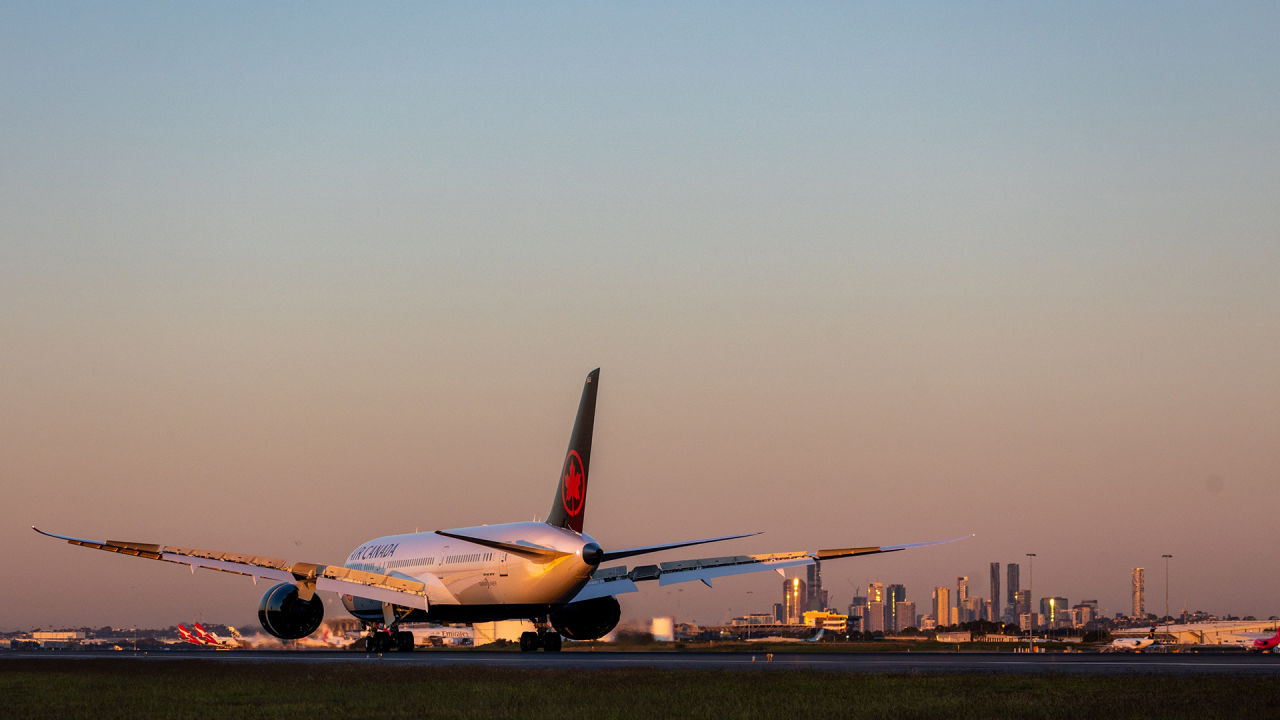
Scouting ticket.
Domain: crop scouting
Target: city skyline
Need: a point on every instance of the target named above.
(880, 602)
(282, 278)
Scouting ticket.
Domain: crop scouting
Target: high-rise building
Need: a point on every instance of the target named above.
(875, 592)
(793, 597)
(894, 594)
(857, 614)
(1084, 612)
(1139, 593)
(874, 621)
(962, 589)
(1022, 604)
(994, 612)
(905, 612)
(1012, 591)
(942, 606)
(972, 609)
(815, 597)
(1055, 611)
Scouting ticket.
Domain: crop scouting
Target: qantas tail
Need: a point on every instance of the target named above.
(205, 635)
(571, 493)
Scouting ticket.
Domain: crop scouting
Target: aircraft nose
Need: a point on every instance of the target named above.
(592, 554)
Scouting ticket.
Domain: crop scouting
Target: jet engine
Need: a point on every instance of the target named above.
(285, 615)
(587, 620)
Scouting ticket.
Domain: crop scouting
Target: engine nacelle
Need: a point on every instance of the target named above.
(285, 615)
(587, 620)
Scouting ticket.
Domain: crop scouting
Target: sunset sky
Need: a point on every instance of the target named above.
(279, 278)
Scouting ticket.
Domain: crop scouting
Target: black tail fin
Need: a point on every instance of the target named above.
(571, 493)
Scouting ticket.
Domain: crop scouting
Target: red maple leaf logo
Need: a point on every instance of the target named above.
(573, 478)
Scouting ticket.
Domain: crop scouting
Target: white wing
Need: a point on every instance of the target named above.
(620, 579)
(308, 576)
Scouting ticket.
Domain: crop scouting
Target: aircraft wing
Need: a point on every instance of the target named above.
(620, 579)
(335, 578)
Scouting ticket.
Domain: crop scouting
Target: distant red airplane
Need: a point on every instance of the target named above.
(186, 636)
(1266, 644)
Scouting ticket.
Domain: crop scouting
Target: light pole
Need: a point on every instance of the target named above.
(1166, 557)
(1031, 592)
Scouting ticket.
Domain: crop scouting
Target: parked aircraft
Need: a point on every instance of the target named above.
(1266, 644)
(1129, 644)
(549, 572)
(1132, 644)
(185, 635)
(816, 637)
(212, 638)
(197, 635)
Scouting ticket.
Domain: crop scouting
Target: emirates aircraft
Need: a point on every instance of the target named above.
(550, 572)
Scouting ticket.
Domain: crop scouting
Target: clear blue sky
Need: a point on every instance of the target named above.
(279, 278)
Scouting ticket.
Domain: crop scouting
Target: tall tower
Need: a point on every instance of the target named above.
(995, 592)
(875, 606)
(962, 589)
(793, 597)
(1139, 593)
(813, 598)
(875, 592)
(942, 606)
(906, 612)
(895, 595)
(1012, 591)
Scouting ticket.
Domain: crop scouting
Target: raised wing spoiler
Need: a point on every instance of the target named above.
(620, 579)
(309, 577)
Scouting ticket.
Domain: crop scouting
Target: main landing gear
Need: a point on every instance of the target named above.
(383, 640)
(545, 638)
(548, 640)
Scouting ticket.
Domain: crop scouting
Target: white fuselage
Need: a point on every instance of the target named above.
(1131, 644)
(462, 574)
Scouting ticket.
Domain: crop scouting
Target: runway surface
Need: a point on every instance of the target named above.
(902, 663)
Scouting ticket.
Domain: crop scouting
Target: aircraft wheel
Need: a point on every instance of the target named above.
(404, 641)
(529, 641)
(551, 642)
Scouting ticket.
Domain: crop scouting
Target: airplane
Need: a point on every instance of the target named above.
(816, 637)
(186, 636)
(1133, 644)
(199, 636)
(551, 572)
(1266, 644)
(211, 638)
(1129, 644)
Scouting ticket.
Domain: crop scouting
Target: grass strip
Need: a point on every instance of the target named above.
(104, 689)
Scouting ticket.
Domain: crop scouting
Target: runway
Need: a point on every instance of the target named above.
(891, 663)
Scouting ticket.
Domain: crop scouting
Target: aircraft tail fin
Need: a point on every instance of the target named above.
(570, 504)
